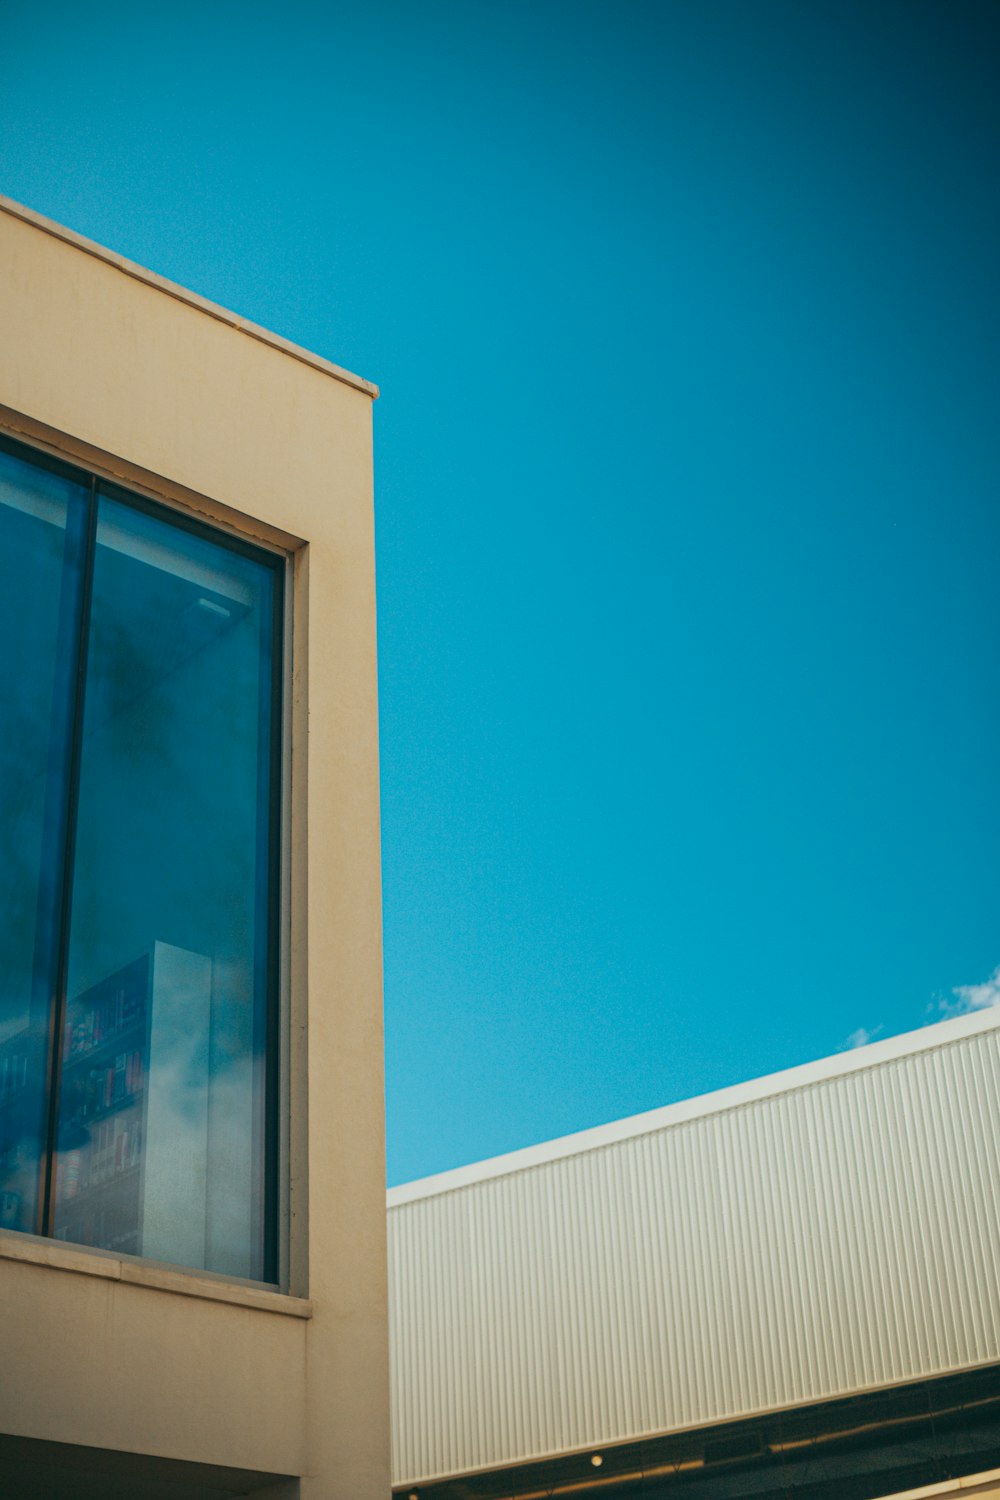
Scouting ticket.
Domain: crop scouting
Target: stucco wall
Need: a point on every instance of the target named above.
(125, 375)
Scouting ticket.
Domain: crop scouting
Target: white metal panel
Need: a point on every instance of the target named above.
(832, 1229)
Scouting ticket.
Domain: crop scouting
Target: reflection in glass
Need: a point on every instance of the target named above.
(42, 518)
(138, 680)
(162, 1146)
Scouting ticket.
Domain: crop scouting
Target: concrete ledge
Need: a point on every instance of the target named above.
(85, 1262)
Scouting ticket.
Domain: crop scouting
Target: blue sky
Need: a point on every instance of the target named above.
(686, 321)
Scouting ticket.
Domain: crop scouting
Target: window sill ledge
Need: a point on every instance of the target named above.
(59, 1257)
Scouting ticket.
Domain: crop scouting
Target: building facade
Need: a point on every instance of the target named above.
(192, 1220)
(787, 1288)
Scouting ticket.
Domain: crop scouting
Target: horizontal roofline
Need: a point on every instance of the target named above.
(789, 1079)
(182, 294)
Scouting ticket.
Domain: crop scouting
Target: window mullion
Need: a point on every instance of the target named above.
(57, 1012)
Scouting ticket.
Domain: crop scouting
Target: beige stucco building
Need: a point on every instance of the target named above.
(137, 1366)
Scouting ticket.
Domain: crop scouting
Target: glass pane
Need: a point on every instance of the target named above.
(164, 1107)
(42, 516)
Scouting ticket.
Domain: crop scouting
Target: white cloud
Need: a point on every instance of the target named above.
(861, 1037)
(970, 997)
(963, 1000)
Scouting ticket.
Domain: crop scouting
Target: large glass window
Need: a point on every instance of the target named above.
(139, 688)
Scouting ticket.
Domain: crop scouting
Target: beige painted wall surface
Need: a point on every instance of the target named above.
(104, 1364)
(201, 414)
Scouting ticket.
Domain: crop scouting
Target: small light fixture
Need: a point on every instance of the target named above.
(595, 1459)
(211, 608)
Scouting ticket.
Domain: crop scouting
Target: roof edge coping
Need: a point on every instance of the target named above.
(854, 1060)
(183, 294)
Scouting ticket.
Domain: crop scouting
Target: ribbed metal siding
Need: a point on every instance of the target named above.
(841, 1236)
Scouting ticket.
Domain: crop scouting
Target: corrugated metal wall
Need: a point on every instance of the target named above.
(831, 1237)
